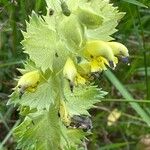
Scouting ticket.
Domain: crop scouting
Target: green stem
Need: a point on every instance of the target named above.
(144, 54)
(13, 27)
(4, 122)
(37, 5)
(125, 100)
(142, 47)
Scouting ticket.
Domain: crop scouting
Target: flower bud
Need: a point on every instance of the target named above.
(65, 9)
(70, 71)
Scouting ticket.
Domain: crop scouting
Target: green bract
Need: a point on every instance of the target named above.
(72, 32)
(55, 45)
(88, 17)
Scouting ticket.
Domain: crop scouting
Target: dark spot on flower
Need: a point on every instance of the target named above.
(71, 86)
(111, 64)
(51, 11)
(19, 86)
(91, 56)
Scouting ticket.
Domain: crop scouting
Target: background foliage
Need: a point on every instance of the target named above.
(125, 85)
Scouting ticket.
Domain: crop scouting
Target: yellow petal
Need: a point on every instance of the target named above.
(99, 64)
(104, 60)
(98, 48)
(115, 60)
(80, 80)
(118, 49)
(95, 66)
(102, 63)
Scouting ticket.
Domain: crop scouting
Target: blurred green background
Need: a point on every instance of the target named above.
(128, 85)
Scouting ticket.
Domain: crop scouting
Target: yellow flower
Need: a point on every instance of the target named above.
(96, 48)
(28, 82)
(119, 50)
(70, 72)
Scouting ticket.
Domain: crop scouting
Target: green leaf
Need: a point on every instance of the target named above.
(72, 33)
(75, 136)
(104, 31)
(40, 42)
(44, 131)
(141, 71)
(29, 65)
(127, 96)
(25, 110)
(88, 17)
(114, 146)
(72, 5)
(110, 15)
(39, 131)
(135, 2)
(82, 99)
(43, 97)
(72, 138)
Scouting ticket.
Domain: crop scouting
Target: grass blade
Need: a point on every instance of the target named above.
(8, 135)
(127, 96)
(136, 3)
(4, 122)
(126, 100)
(10, 63)
(114, 146)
